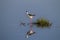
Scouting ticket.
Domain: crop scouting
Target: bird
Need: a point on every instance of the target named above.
(30, 15)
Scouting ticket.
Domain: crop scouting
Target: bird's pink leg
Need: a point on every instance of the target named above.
(30, 23)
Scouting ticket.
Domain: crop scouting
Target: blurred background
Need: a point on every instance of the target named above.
(12, 12)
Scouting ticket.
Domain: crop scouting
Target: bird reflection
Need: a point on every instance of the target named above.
(29, 33)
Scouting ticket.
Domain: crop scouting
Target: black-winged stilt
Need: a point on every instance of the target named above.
(30, 15)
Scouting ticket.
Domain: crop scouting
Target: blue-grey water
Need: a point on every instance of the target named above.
(12, 12)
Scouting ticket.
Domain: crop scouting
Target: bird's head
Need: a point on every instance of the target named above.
(27, 12)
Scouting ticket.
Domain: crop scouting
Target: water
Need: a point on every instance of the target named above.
(13, 11)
